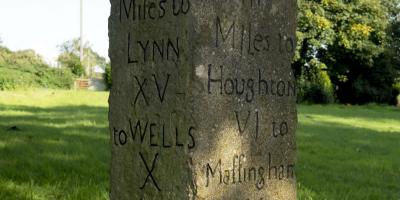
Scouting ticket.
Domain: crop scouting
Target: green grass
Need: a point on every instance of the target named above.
(349, 152)
(62, 148)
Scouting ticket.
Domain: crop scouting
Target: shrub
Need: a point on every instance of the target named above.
(55, 78)
(396, 93)
(11, 79)
(107, 76)
(72, 62)
(26, 69)
(315, 85)
(370, 84)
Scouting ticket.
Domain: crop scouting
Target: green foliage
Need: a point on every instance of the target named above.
(26, 69)
(27, 58)
(11, 79)
(71, 62)
(70, 58)
(351, 38)
(396, 86)
(394, 54)
(396, 93)
(107, 76)
(55, 78)
(315, 84)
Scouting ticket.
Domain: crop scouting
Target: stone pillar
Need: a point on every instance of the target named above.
(203, 103)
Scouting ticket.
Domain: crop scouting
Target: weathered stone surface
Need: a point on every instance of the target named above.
(203, 99)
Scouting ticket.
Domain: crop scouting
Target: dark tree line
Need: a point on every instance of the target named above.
(348, 51)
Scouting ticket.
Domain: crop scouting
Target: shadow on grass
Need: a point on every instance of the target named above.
(63, 153)
(54, 153)
(337, 161)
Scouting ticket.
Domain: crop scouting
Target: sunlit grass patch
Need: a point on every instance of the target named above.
(61, 150)
(348, 152)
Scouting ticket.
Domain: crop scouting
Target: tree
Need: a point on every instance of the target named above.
(350, 38)
(69, 57)
(393, 52)
(107, 76)
(72, 61)
(26, 69)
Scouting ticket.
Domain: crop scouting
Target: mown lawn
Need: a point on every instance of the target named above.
(60, 149)
(349, 152)
(54, 145)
